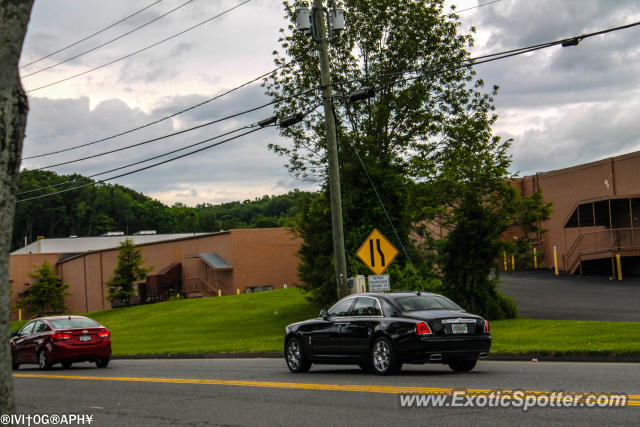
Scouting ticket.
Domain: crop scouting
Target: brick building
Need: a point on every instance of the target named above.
(596, 215)
(204, 264)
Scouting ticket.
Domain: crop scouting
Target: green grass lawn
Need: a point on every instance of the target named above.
(255, 323)
(565, 337)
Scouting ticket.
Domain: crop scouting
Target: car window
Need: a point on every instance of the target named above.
(341, 308)
(366, 306)
(426, 302)
(40, 326)
(28, 329)
(72, 323)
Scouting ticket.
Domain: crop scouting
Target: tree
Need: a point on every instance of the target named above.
(14, 18)
(46, 292)
(393, 141)
(128, 271)
(477, 204)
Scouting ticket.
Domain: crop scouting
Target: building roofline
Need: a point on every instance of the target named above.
(584, 165)
(200, 236)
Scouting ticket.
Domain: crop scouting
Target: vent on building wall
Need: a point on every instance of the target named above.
(145, 233)
(112, 233)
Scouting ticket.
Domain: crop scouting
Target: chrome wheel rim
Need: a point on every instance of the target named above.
(42, 359)
(294, 356)
(381, 356)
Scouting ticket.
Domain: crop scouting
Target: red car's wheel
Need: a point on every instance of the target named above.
(102, 363)
(43, 359)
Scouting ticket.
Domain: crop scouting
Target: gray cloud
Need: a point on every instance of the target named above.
(562, 106)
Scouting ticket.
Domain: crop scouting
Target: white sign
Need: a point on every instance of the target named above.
(379, 283)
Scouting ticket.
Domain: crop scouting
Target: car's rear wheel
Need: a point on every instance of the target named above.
(102, 363)
(43, 359)
(462, 365)
(383, 357)
(297, 361)
(66, 364)
(15, 366)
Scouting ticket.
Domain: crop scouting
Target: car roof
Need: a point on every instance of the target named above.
(394, 294)
(60, 317)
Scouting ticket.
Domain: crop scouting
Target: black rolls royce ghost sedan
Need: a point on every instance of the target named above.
(382, 331)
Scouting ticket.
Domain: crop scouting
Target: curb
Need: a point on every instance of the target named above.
(504, 357)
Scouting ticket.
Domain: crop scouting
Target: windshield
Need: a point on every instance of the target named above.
(426, 302)
(74, 323)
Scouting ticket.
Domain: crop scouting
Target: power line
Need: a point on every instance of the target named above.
(159, 120)
(140, 50)
(91, 35)
(104, 153)
(143, 168)
(570, 41)
(137, 144)
(135, 163)
(474, 7)
(253, 125)
(108, 42)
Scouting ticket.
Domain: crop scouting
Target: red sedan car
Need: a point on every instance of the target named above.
(61, 339)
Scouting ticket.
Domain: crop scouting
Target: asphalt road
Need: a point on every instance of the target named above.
(541, 295)
(263, 392)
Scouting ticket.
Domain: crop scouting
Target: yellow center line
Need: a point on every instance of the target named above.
(632, 399)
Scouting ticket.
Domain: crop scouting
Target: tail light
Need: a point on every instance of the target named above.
(486, 326)
(104, 334)
(423, 329)
(60, 336)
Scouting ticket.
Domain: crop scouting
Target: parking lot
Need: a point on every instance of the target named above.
(542, 295)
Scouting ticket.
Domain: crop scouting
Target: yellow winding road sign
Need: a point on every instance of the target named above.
(377, 252)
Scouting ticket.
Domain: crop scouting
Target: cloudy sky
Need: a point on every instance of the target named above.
(561, 106)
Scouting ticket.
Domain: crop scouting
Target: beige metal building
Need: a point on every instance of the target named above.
(198, 265)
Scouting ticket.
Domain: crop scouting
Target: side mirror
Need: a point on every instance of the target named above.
(324, 314)
(15, 334)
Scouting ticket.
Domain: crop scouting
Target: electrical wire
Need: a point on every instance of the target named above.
(144, 168)
(104, 153)
(158, 120)
(160, 155)
(140, 50)
(137, 144)
(474, 7)
(71, 181)
(384, 208)
(107, 42)
(501, 55)
(91, 35)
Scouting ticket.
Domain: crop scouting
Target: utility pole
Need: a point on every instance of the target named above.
(318, 17)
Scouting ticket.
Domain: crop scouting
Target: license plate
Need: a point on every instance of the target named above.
(88, 337)
(459, 328)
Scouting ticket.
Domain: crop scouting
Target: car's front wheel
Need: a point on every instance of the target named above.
(462, 365)
(43, 359)
(383, 357)
(297, 361)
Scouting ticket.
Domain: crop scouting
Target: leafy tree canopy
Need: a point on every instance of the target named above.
(423, 142)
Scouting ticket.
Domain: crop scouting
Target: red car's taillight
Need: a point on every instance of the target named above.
(486, 326)
(104, 334)
(423, 329)
(61, 336)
